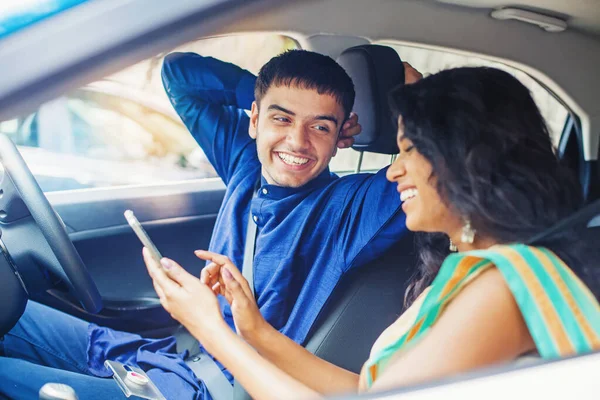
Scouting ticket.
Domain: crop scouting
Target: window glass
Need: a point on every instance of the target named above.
(429, 61)
(122, 130)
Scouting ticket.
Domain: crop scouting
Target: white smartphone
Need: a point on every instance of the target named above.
(142, 235)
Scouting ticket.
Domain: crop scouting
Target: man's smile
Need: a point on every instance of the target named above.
(294, 162)
(291, 159)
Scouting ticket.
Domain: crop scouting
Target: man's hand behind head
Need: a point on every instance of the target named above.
(350, 129)
(411, 75)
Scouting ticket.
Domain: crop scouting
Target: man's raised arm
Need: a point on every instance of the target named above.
(210, 97)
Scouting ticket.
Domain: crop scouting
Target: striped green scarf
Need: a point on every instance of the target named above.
(561, 313)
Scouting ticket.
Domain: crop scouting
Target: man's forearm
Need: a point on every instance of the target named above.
(202, 91)
(207, 79)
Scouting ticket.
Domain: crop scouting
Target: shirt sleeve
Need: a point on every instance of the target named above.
(211, 97)
(371, 221)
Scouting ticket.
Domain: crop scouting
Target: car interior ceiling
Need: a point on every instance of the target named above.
(434, 24)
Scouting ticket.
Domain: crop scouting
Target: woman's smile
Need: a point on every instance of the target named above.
(408, 194)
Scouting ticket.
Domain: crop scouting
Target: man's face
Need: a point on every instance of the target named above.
(296, 133)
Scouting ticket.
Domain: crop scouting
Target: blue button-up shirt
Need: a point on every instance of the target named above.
(308, 237)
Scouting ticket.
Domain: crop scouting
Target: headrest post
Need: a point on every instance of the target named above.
(360, 160)
(393, 158)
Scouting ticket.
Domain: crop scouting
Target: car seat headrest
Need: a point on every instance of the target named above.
(375, 70)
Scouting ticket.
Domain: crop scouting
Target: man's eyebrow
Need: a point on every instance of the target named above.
(327, 118)
(279, 108)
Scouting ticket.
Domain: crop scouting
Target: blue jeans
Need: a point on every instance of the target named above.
(49, 346)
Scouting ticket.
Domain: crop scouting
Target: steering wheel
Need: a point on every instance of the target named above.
(20, 199)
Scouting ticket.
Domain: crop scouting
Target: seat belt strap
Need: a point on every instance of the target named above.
(202, 364)
(239, 393)
(250, 247)
(586, 216)
(207, 370)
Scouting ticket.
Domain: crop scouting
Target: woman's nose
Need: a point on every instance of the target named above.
(396, 170)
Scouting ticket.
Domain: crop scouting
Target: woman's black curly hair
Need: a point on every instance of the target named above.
(493, 159)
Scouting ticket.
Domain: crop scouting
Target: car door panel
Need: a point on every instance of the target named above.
(116, 252)
(179, 218)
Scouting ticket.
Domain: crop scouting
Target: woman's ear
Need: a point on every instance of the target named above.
(253, 127)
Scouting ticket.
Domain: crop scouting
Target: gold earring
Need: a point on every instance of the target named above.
(468, 233)
(453, 246)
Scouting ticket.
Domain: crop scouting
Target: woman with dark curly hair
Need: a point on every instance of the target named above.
(478, 178)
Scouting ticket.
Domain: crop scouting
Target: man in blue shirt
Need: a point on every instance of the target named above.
(313, 226)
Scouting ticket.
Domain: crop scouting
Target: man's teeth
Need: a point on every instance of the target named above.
(289, 159)
(408, 194)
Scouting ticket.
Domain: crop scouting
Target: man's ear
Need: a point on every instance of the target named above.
(253, 127)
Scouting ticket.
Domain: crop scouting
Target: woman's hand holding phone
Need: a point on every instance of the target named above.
(140, 232)
(186, 298)
(193, 301)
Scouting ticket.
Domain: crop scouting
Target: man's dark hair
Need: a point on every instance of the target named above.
(307, 70)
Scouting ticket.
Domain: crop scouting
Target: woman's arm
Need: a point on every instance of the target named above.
(314, 372)
(177, 289)
(481, 326)
(260, 378)
(284, 353)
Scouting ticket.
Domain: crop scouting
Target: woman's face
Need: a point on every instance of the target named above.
(425, 211)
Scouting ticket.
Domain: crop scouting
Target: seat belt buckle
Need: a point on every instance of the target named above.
(133, 381)
(208, 372)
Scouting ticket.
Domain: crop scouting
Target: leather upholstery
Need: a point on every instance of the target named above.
(375, 70)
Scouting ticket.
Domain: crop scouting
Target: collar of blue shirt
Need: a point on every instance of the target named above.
(278, 192)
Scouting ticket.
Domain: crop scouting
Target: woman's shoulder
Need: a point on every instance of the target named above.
(559, 309)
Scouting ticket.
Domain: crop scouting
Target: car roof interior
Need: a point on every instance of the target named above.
(331, 26)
